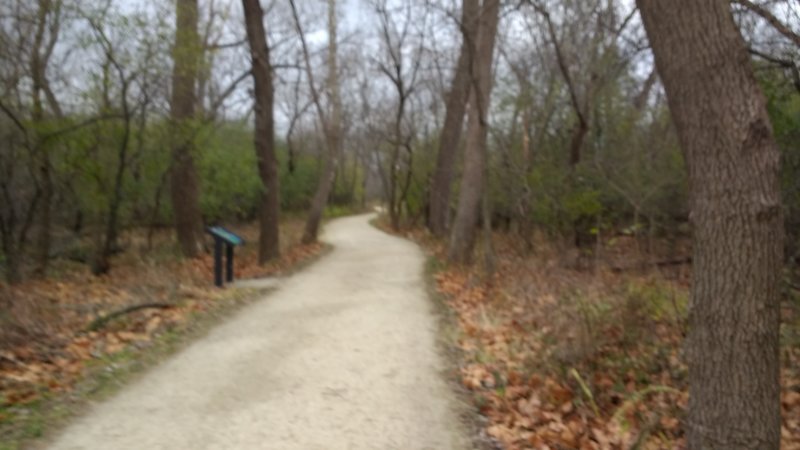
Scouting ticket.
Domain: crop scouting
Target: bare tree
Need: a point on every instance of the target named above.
(462, 238)
(269, 206)
(26, 182)
(20, 197)
(331, 123)
(48, 20)
(101, 264)
(726, 136)
(402, 68)
(456, 105)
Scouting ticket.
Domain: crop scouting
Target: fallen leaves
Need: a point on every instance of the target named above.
(563, 359)
(45, 347)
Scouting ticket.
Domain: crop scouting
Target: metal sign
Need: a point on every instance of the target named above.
(229, 240)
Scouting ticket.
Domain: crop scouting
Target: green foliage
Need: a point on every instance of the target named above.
(85, 163)
(349, 187)
(423, 166)
(783, 105)
(656, 300)
(231, 185)
(226, 163)
(334, 211)
(299, 185)
(582, 203)
(631, 171)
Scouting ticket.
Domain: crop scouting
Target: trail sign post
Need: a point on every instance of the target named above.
(223, 237)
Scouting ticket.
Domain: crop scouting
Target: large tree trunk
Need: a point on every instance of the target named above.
(456, 104)
(720, 115)
(183, 175)
(269, 207)
(332, 134)
(462, 239)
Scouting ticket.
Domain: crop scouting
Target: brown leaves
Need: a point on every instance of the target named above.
(476, 376)
(511, 337)
(523, 334)
(46, 350)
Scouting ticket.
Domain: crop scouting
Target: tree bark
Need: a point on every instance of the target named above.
(456, 105)
(332, 129)
(269, 207)
(462, 238)
(183, 175)
(320, 199)
(726, 136)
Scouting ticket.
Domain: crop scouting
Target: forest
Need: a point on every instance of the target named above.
(608, 193)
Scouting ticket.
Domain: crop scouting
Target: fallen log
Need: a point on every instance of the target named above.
(645, 264)
(101, 321)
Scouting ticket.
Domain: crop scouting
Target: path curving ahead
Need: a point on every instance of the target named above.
(341, 356)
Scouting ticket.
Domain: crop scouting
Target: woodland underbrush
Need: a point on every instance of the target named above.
(57, 331)
(568, 349)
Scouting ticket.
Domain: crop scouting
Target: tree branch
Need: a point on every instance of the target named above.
(102, 320)
(13, 117)
(785, 63)
(767, 15)
(309, 73)
(79, 125)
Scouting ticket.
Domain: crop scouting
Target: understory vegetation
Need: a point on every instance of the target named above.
(561, 351)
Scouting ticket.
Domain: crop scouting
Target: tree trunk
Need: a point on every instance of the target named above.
(332, 135)
(456, 104)
(269, 207)
(720, 115)
(395, 200)
(12, 258)
(183, 175)
(576, 142)
(320, 199)
(462, 239)
(44, 229)
(102, 261)
(38, 68)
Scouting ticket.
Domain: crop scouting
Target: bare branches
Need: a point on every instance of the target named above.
(562, 64)
(234, 44)
(11, 115)
(309, 73)
(767, 15)
(785, 63)
(227, 92)
(79, 125)
(580, 110)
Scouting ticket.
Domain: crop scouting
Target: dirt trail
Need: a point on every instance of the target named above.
(341, 356)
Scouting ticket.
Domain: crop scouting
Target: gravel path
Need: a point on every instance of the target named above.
(341, 356)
